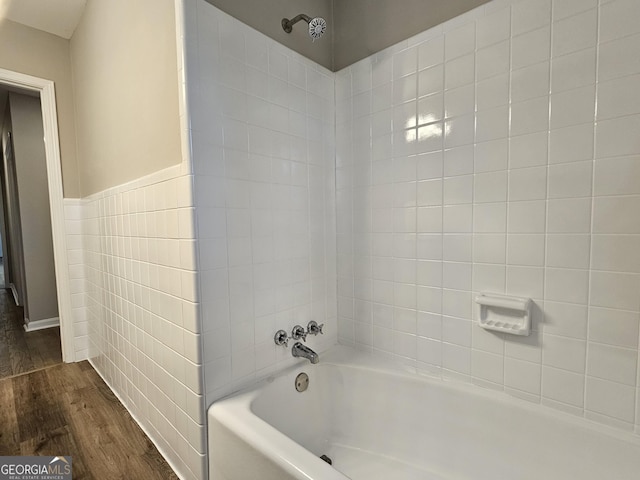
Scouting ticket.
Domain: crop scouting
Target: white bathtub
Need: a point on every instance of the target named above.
(377, 422)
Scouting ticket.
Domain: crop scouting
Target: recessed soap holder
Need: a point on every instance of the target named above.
(504, 313)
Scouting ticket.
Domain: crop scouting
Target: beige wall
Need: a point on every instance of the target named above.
(123, 56)
(13, 259)
(364, 27)
(33, 52)
(265, 16)
(33, 197)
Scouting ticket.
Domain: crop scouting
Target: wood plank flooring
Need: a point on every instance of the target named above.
(67, 409)
(22, 352)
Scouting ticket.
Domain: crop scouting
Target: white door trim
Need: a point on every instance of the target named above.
(46, 90)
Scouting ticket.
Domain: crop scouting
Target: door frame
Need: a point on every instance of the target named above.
(46, 89)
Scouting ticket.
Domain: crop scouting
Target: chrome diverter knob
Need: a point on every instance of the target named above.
(281, 338)
(298, 333)
(313, 328)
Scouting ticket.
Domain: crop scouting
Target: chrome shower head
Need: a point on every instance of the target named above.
(317, 26)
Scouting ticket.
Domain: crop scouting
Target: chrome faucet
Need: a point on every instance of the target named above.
(300, 350)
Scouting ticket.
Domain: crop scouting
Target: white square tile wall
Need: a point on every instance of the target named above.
(472, 158)
(262, 131)
(141, 309)
(74, 216)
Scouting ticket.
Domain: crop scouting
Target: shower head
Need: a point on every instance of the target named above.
(317, 26)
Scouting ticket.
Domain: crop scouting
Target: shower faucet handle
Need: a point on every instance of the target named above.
(281, 338)
(313, 328)
(298, 333)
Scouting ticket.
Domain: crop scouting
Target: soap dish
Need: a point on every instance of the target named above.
(504, 313)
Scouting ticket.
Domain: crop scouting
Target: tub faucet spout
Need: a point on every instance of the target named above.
(300, 350)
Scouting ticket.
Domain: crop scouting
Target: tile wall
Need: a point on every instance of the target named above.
(73, 215)
(262, 139)
(144, 334)
(472, 158)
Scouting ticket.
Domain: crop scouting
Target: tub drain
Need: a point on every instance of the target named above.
(302, 382)
(326, 459)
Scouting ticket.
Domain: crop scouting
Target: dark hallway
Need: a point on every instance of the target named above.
(22, 352)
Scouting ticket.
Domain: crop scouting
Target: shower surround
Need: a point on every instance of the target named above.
(472, 158)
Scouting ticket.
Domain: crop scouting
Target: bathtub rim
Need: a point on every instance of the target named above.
(236, 413)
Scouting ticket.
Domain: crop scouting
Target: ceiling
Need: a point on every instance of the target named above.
(59, 17)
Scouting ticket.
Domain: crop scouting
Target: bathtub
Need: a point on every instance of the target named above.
(378, 422)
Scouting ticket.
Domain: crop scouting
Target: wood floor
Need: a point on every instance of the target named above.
(22, 352)
(52, 408)
(68, 410)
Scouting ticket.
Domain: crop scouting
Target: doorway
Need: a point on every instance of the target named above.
(29, 302)
(46, 92)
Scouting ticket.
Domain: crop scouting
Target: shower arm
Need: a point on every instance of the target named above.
(287, 25)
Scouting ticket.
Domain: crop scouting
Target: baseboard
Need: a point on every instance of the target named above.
(33, 325)
(15, 293)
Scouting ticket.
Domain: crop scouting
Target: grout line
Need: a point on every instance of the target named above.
(507, 200)
(592, 216)
(442, 209)
(546, 204)
(351, 191)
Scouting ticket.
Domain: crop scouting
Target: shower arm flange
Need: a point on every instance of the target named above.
(287, 25)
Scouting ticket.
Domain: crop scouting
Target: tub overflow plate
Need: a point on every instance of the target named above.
(302, 382)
